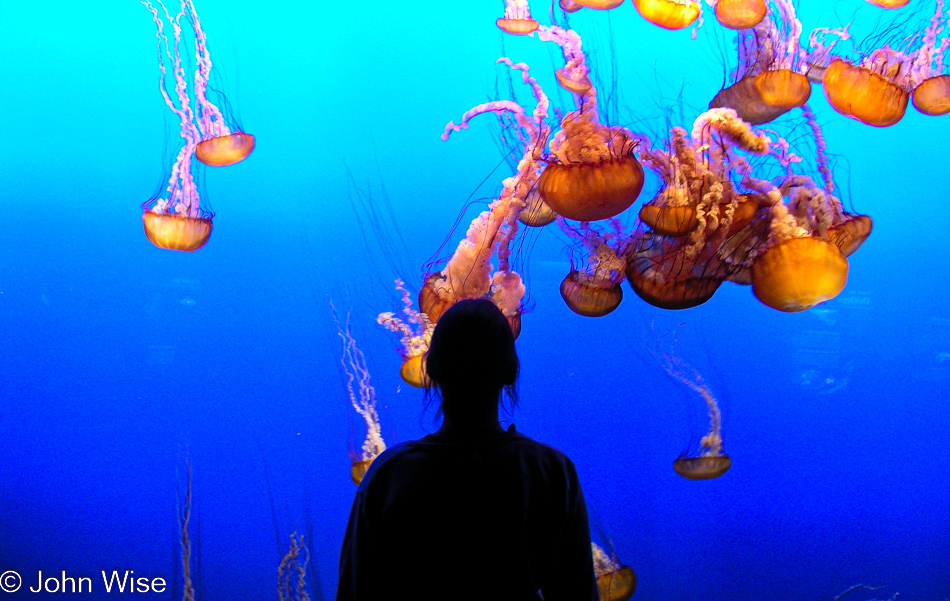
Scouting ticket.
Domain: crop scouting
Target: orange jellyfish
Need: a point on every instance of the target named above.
(740, 14)
(536, 212)
(669, 14)
(174, 219)
(678, 265)
(615, 581)
(362, 398)
(569, 6)
(596, 4)
(876, 89)
(593, 173)
(711, 460)
(931, 95)
(517, 19)
(889, 3)
(594, 291)
(770, 79)
(415, 334)
(220, 144)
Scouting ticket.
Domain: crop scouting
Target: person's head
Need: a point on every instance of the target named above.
(472, 353)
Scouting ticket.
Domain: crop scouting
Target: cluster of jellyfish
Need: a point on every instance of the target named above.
(174, 218)
(717, 217)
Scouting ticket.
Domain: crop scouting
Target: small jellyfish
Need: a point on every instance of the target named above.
(536, 212)
(362, 397)
(798, 273)
(710, 461)
(517, 19)
(615, 582)
(669, 14)
(415, 334)
(594, 291)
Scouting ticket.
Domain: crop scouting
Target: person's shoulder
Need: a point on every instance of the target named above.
(538, 448)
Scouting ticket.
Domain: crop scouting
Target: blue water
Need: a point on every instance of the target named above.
(119, 360)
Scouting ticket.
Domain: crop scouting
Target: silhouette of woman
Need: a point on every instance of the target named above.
(472, 511)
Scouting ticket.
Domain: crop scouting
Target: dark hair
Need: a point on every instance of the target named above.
(472, 351)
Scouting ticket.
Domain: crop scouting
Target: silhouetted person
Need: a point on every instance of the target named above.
(472, 511)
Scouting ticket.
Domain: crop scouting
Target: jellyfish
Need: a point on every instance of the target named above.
(677, 264)
(739, 14)
(593, 172)
(415, 334)
(570, 6)
(615, 582)
(931, 96)
(221, 145)
(469, 272)
(595, 4)
(595, 291)
(362, 398)
(669, 14)
(517, 19)
(711, 460)
(889, 3)
(875, 90)
(536, 213)
(174, 219)
(771, 76)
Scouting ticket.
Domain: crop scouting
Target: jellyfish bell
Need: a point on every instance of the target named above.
(536, 212)
(702, 468)
(669, 220)
(413, 371)
(172, 231)
(889, 3)
(597, 4)
(669, 14)
(569, 6)
(226, 150)
(932, 96)
(850, 234)
(798, 273)
(433, 301)
(358, 469)
(592, 191)
(761, 98)
(617, 585)
(660, 274)
(573, 85)
(590, 296)
(862, 94)
(740, 14)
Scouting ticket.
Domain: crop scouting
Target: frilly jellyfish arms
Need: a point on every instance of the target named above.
(711, 461)
(468, 273)
(362, 398)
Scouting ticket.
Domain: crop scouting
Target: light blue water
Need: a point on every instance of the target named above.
(117, 358)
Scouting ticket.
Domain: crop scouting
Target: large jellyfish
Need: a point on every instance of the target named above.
(362, 397)
(711, 460)
(669, 14)
(593, 172)
(615, 581)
